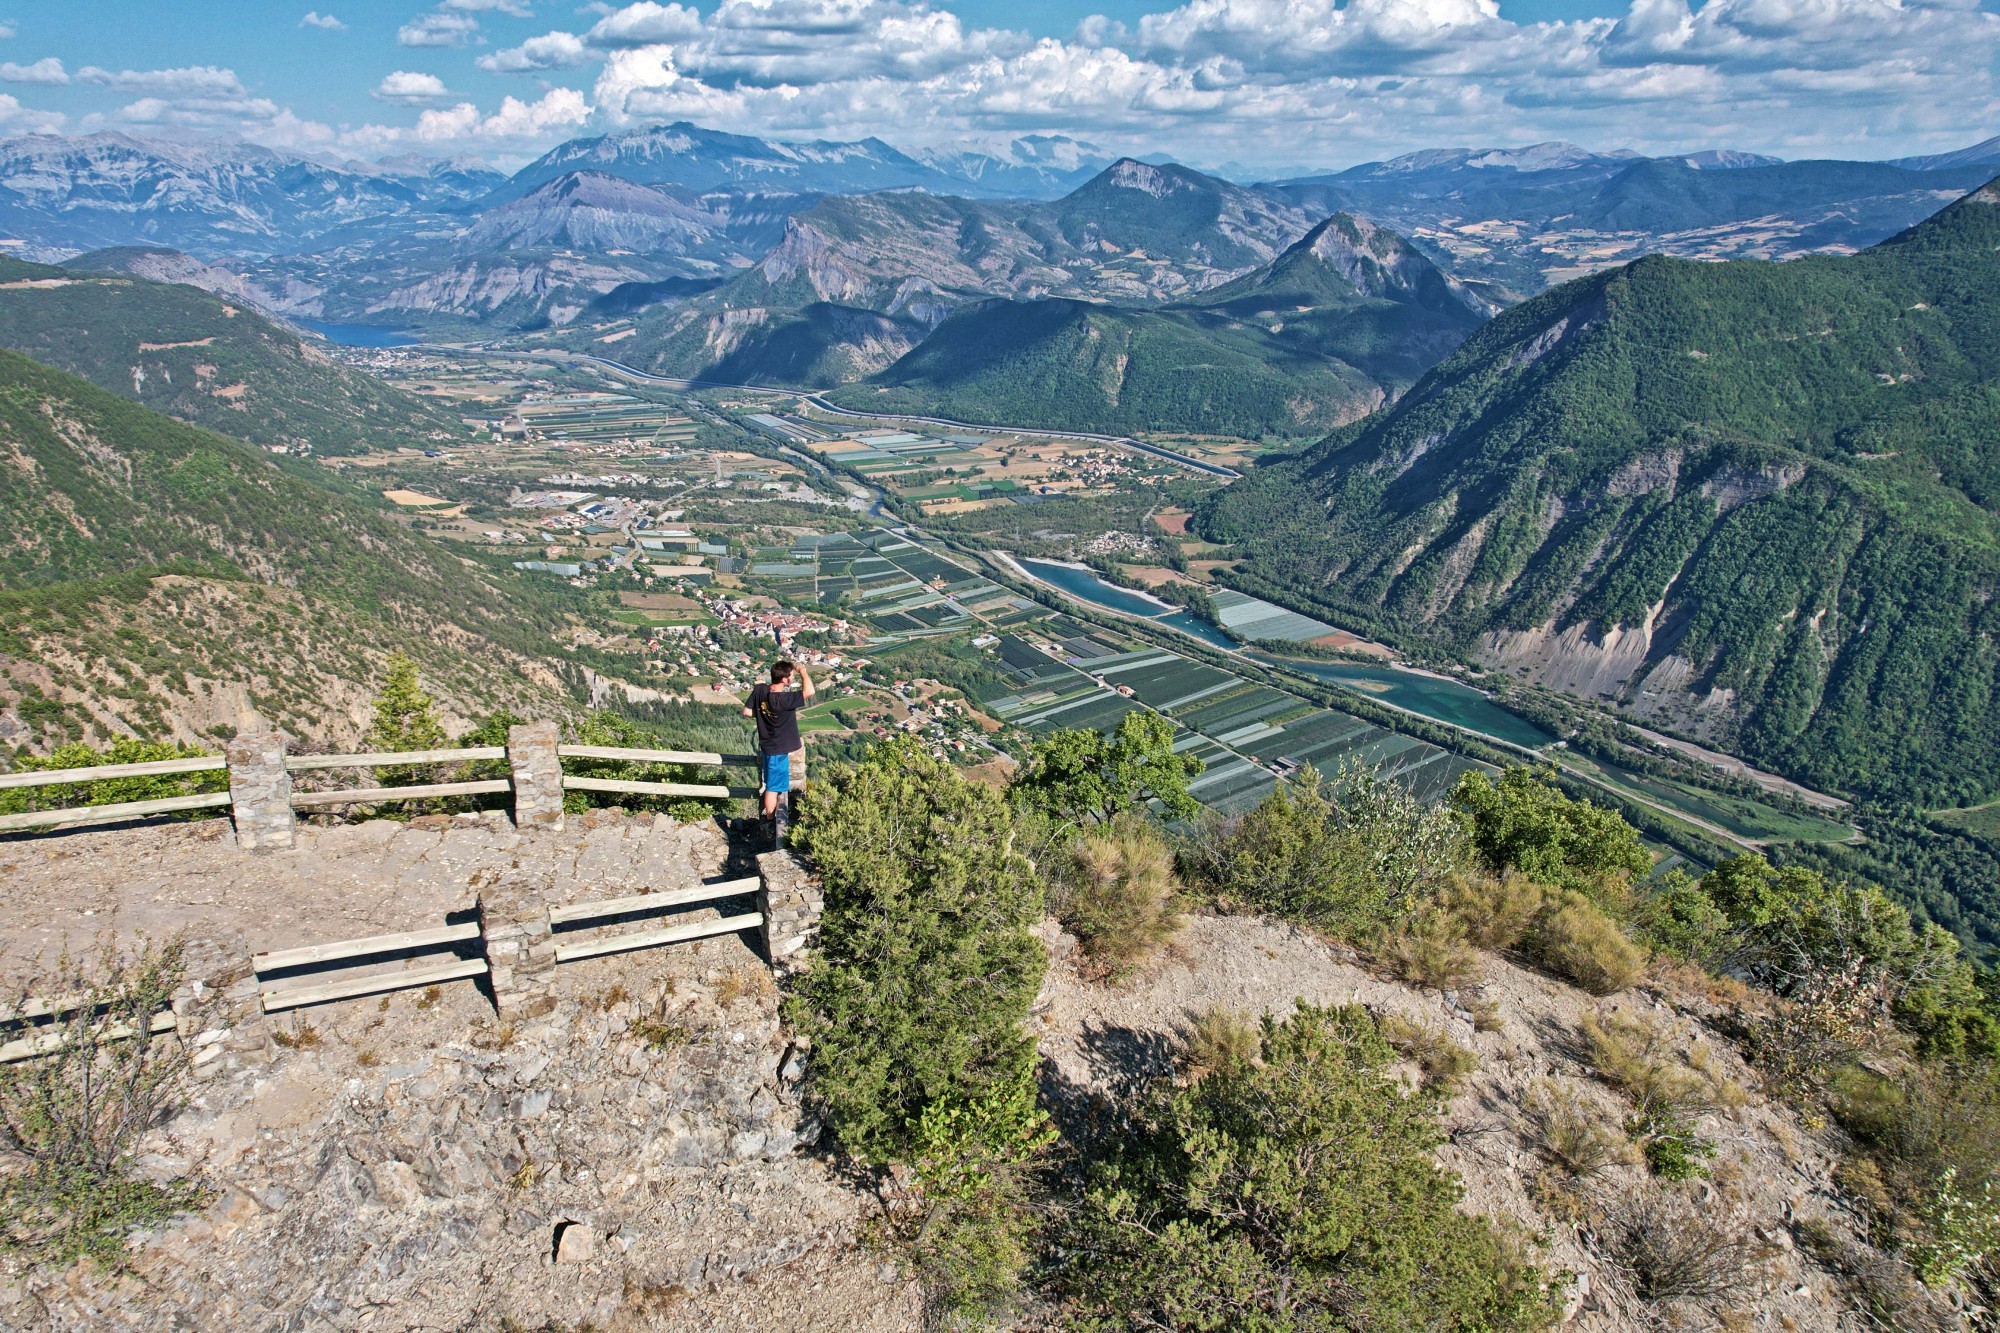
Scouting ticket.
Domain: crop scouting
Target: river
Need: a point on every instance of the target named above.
(1413, 691)
(1418, 692)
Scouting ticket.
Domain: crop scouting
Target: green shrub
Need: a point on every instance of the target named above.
(1522, 822)
(1299, 1192)
(1573, 940)
(1117, 893)
(917, 998)
(925, 967)
(1680, 919)
(972, 1229)
(110, 791)
(1083, 774)
(1347, 856)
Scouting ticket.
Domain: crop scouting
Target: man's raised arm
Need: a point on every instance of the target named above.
(806, 690)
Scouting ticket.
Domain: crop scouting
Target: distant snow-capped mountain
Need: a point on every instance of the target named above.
(694, 158)
(93, 191)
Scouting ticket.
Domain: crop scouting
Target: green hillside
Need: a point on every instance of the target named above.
(146, 560)
(193, 355)
(1347, 316)
(1752, 501)
(1072, 365)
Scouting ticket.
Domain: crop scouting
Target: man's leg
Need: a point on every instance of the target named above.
(777, 778)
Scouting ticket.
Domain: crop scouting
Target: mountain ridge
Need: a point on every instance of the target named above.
(1745, 500)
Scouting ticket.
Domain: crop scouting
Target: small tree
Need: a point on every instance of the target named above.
(405, 719)
(1294, 1193)
(1085, 775)
(917, 998)
(926, 967)
(1348, 855)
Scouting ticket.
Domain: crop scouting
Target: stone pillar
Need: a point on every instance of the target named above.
(260, 791)
(789, 897)
(520, 951)
(538, 794)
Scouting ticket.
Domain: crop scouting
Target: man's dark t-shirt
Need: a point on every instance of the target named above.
(777, 714)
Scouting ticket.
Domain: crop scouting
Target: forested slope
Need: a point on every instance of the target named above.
(147, 562)
(1756, 501)
(196, 356)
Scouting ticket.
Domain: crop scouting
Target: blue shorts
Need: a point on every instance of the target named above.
(777, 772)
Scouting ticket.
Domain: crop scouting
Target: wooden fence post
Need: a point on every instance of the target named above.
(538, 789)
(260, 791)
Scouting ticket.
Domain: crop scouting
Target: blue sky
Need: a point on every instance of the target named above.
(1255, 83)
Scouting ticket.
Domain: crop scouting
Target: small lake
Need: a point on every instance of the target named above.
(1431, 696)
(360, 335)
(1086, 586)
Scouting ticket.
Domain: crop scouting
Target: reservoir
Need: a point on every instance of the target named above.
(360, 335)
(1085, 586)
(1430, 696)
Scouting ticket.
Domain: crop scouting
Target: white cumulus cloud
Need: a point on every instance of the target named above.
(410, 88)
(18, 119)
(48, 70)
(555, 50)
(1288, 81)
(315, 19)
(440, 29)
(187, 81)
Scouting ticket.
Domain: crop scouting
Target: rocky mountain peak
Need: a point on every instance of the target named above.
(1131, 174)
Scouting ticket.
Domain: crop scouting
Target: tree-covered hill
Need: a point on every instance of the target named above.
(1753, 501)
(1347, 316)
(271, 577)
(196, 356)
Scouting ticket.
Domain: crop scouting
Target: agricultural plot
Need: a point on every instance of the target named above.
(608, 419)
(1254, 620)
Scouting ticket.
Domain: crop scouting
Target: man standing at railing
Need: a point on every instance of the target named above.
(775, 707)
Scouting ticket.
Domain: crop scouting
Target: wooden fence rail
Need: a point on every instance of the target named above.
(109, 814)
(604, 910)
(281, 993)
(261, 797)
(302, 763)
(43, 1043)
(52, 777)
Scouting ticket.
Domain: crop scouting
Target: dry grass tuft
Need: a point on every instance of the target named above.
(1431, 951)
(1117, 893)
(1216, 1038)
(1444, 1064)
